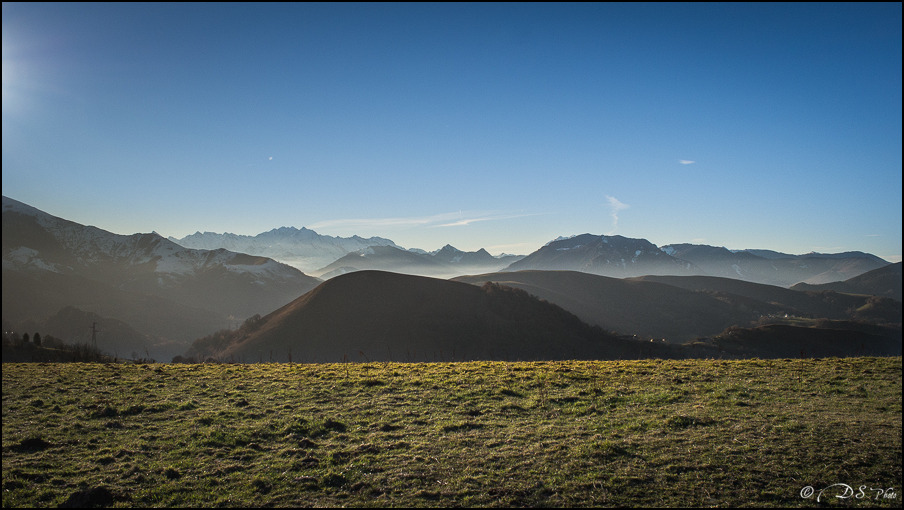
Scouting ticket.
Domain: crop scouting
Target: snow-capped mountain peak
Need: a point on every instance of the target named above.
(303, 248)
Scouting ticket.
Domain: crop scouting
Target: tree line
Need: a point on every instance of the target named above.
(36, 348)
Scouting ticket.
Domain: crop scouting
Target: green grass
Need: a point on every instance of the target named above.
(613, 433)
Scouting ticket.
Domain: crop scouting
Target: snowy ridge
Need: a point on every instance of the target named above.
(302, 248)
(24, 258)
(560, 238)
(92, 246)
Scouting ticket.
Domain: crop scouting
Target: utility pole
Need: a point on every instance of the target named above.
(94, 331)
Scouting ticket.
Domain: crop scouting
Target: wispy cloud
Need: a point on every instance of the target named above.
(464, 221)
(453, 219)
(686, 162)
(409, 221)
(615, 206)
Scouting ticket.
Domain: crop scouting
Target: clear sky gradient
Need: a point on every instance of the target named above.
(500, 126)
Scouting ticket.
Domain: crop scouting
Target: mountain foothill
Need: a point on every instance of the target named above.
(232, 298)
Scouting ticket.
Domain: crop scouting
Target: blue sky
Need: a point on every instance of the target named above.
(500, 126)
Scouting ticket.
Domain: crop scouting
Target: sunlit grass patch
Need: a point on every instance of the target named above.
(620, 433)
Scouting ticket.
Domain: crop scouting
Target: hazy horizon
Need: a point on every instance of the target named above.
(496, 126)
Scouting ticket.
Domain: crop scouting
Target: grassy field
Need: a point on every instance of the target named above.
(612, 433)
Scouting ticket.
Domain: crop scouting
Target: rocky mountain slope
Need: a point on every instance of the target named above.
(159, 288)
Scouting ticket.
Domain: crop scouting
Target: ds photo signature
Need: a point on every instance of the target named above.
(845, 491)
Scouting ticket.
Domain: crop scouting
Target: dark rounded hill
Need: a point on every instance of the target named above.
(376, 315)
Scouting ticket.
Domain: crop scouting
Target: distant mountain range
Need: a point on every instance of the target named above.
(774, 268)
(613, 256)
(622, 257)
(443, 263)
(326, 256)
(302, 248)
(164, 291)
(584, 296)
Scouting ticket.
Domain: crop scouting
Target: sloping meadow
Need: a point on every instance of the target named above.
(646, 433)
